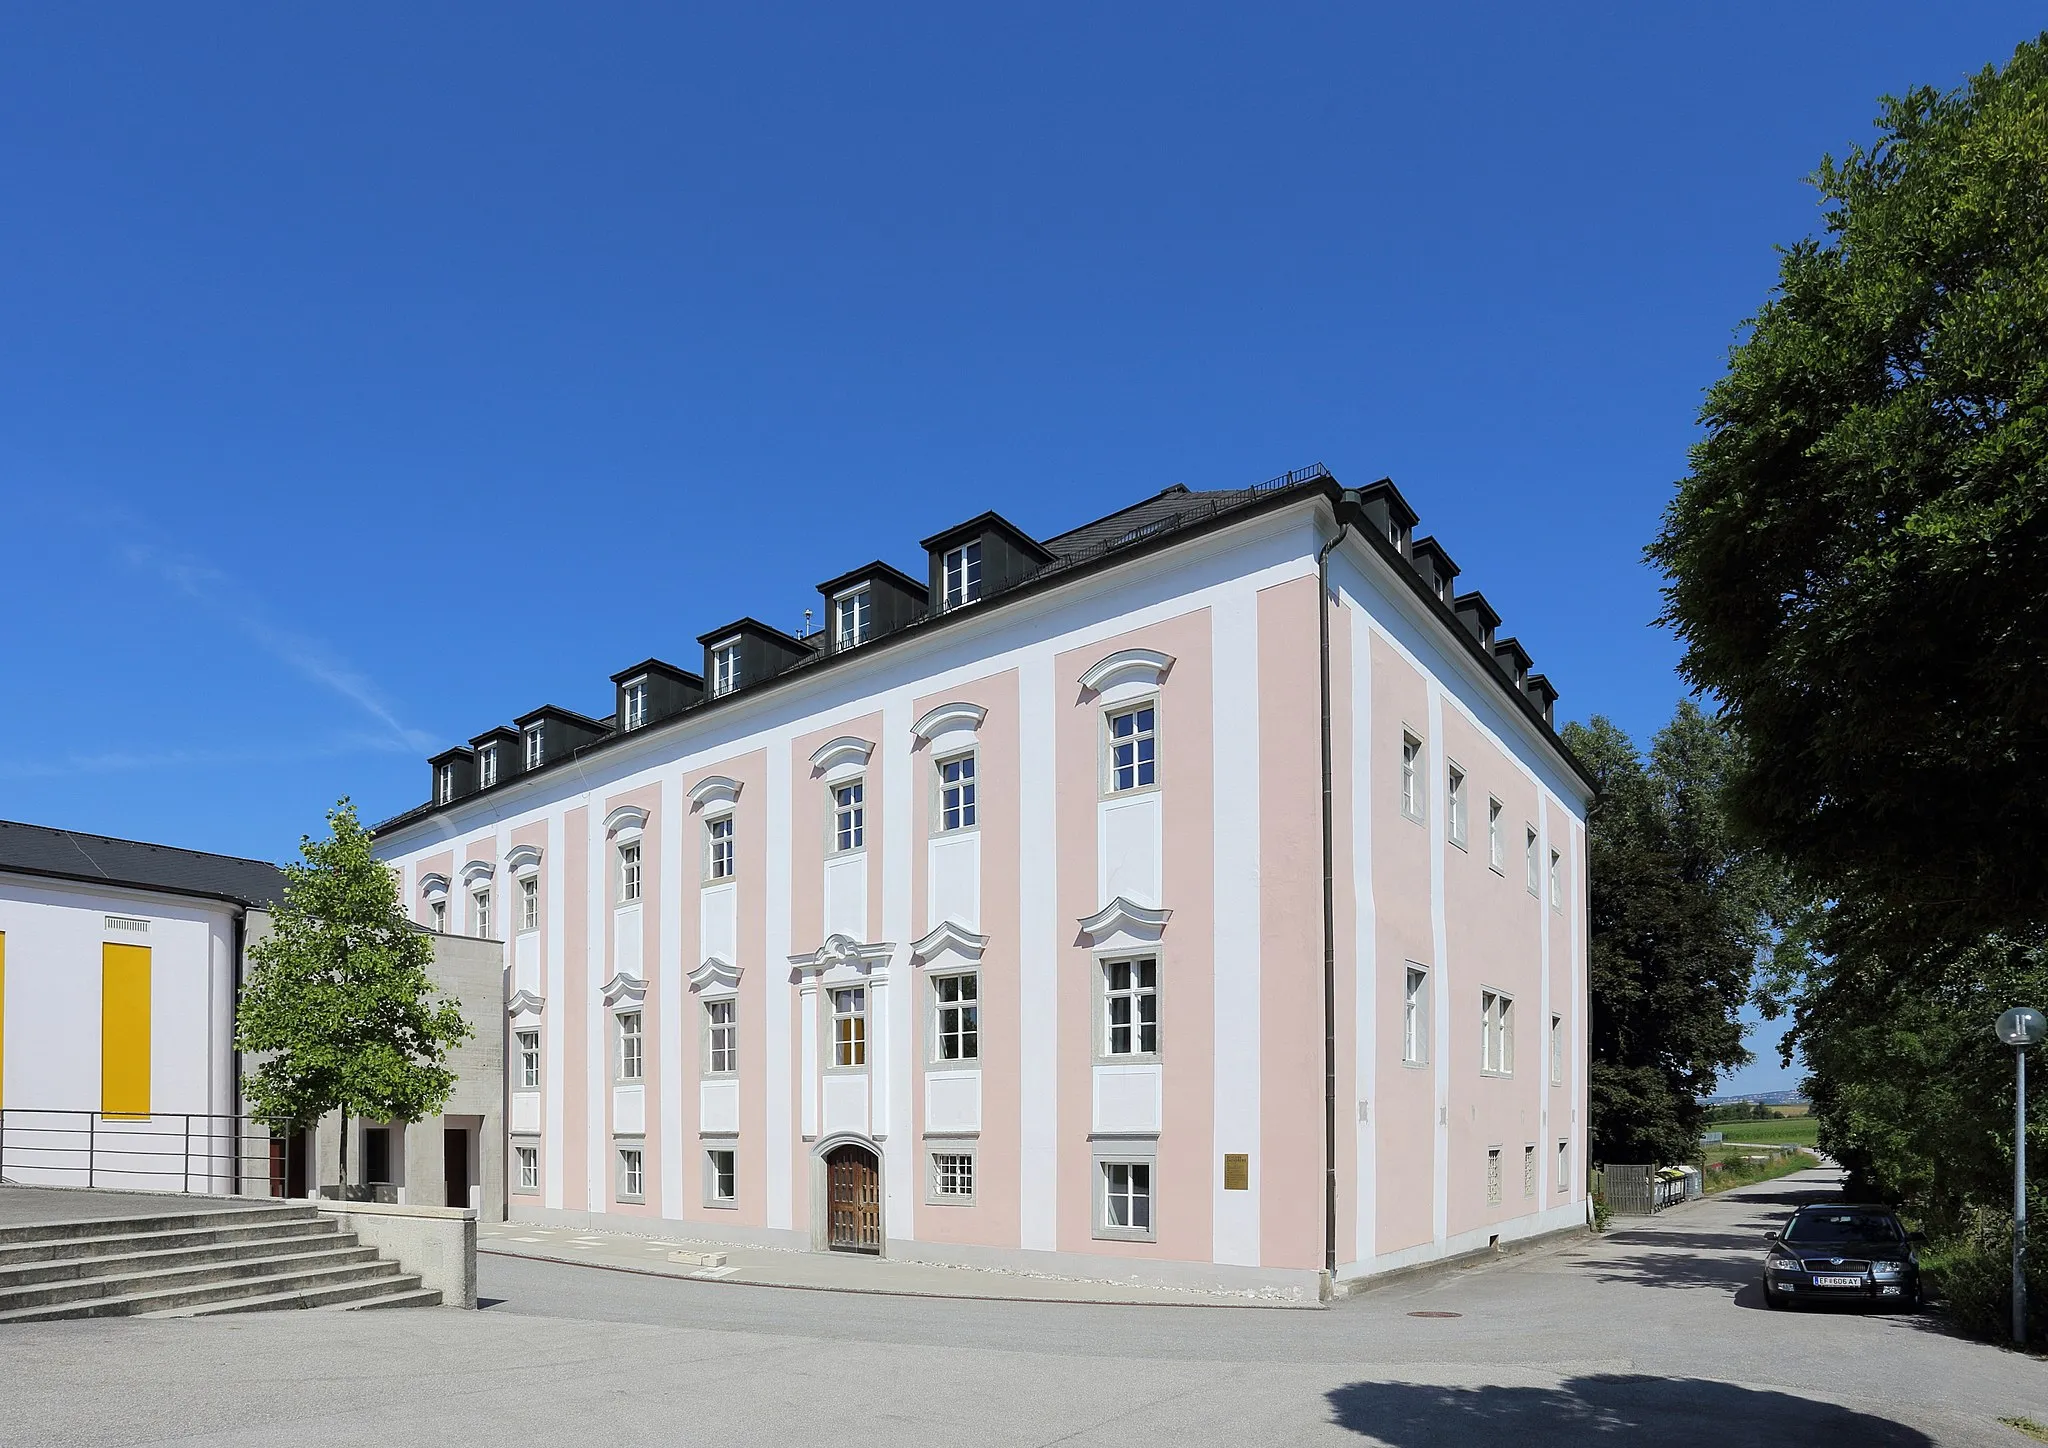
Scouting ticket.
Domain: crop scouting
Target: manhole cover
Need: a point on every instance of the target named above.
(1436, 1314)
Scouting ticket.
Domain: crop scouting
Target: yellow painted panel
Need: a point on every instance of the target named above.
(124, 1030)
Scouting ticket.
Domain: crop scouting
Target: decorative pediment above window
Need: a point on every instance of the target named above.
(623, 989)
(841, 758)
(524, 1003)
(949, 725)
(841, 952)
(523, 859)
(715, 977)
(1125, 674)
(478, 872)
(714, 794)
(1120, 925)
(432, 885)
(626, 822)
(951, 939)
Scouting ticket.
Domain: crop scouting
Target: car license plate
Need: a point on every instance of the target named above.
(1838, 1282)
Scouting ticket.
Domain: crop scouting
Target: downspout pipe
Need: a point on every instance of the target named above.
(234, 1052)
(1348, 504)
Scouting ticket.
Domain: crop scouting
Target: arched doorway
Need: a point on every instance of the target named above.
(853, 1200)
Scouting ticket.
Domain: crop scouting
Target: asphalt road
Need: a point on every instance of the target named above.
(1653, 1333)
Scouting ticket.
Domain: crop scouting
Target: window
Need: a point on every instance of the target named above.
(1496, 837)
(718, 839)
(953, 1176)
(630, 1061)
(963, 574)
(1497, 1034)
(534, 746)
(1493, 1176)
(1557, 1050)
(526, 1163)
(958, 1002)
(529, 1060)
(850, 1026)
(1127, 1198)
(629, 873)
(851, 619)
(725, 668)
(1415, 1017)
(487, 766)
(1528, 1171)
(849, 816)
(722, 1037)
(1133, 744)
(721, 1176)
(529, 902)
(957, 808)
(1411, 776)
(632, 1180)
(1564, 1166)
(1556, 881)
(1130, 1013)
(1456, 822)
(437, 916)
(444, 784)
(480, 921)
(1529, 855)
(633, 705)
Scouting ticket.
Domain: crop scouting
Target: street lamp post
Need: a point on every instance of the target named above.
(2019, 1028)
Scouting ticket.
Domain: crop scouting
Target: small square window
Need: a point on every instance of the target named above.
(721, 1037)
(1415, 1017)
(953, 1176)
(850, 1026)
(718, 848)
(1126, 1200)
(631, 1063)
(956, 1035)
(525, 1169)
(852, 615)
(721, 1176)
(629, 873)
(529, 902)
(1455, 790)
(725, 668)
(1411, 776)
(1133, 749)
(632, 1177)
(959, 802)
(633, 705)
(962, 575)
(849, 816)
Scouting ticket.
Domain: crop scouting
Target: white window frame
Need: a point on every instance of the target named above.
(631, 1159)
(849, 825)
(1496, 1033)
(444, 783)
(1415, 1016)
(529, 903)
(1557, 1050)
(1412, 804)
(526, 1043)
(1556, 881)
(962, 1034)
(936, 1175)
(726, 1175)
(633, 704)
(847, 1006)
(1106, 995)
(480, 912)
(525, 1155)
(629, 1046)
(437, 915)
(960, 575)
(1107, 1163)
(630, 877)
(959, 799)
(1457, 804)
(1529, 848)
(486, 766)
(1135, 741)
(853, 617)
(1496, 836)
(728, 1029)
(720, 845)
(535, 744)
(725, 667)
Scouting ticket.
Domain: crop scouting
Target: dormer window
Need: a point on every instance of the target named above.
(963, 574)
(444, 784)
(633, 705)
(487, 766)
(725, 668)
(852, 618)
(533, 746)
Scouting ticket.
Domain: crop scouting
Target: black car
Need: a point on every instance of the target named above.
(1843, 1254)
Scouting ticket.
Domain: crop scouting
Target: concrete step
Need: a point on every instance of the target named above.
(72, 1269)
(92, 1227)
(397, 1291)
(281, 1288)
(198, 1277)
(257, 1229)
(417, 1297)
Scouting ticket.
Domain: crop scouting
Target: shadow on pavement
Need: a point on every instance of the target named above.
(1602, 1408)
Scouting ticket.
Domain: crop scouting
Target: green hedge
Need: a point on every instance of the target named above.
(1970, 1269)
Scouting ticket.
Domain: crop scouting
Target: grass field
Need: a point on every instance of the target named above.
(1783, 1131)
(1739, 1173)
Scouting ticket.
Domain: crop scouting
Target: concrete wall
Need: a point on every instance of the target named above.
(437, 1243)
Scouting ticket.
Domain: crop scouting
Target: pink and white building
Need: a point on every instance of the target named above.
(1031, 914)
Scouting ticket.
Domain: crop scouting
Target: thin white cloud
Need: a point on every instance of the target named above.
(121, 761)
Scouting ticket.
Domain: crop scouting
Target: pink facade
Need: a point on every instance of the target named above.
(999, 938)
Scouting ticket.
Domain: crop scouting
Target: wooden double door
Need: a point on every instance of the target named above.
(853, 1200)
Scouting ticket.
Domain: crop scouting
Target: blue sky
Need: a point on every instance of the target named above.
(372, 376)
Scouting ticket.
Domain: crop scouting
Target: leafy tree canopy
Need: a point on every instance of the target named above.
(1858, 560)
(339, 997)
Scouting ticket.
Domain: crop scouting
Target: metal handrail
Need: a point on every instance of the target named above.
(57, 1146)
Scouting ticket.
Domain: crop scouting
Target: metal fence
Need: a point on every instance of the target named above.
(1643, 1191)
(160, 1151)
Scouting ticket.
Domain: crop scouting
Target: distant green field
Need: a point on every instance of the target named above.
(1784, 1131)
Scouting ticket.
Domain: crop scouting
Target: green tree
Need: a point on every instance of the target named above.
(338, 997)
(1680, 915)
(1855, 559)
